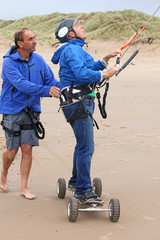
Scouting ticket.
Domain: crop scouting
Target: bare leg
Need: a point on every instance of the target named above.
(26, 163)
(8, 157)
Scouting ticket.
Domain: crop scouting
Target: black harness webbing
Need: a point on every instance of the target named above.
(80, 113)
(9, 131)
(69, 97)
(38, 127)
(102, 107)
(74, 94)
(13, 133)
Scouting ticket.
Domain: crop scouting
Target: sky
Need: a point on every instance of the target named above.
(16, 9)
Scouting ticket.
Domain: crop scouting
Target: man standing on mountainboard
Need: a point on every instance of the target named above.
(26, 78)
(78, 74)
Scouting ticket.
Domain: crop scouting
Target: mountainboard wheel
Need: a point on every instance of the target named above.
(72, 212)
(114, 212)
(97, 184)
(61, 188)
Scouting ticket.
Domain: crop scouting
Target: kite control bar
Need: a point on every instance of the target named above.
(127, 62)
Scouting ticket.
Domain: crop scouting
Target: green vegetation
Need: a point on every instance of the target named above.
(98, 25)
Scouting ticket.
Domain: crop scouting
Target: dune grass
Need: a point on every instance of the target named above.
(115, 25)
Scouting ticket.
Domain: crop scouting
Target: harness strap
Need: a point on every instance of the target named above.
(10, 132)
(80, 113)
(94, 121)
(13, 133)
(38, 127)
(26, 127)
(74, 94)
(103, 105)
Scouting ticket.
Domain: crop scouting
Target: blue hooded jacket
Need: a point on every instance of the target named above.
(76, 65)
(24, 82)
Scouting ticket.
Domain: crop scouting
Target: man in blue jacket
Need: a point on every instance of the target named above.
(78, 75)
(26, 77)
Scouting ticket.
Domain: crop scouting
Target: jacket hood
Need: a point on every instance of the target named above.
(58, 52)
(13, 53)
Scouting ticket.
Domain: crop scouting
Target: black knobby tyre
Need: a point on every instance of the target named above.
(114, 206)
(72, 212)
(61, 188)
(97, 184)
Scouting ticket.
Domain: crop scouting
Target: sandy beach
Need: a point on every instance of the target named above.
(126, 158)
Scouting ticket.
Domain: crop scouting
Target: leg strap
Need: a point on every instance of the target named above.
(10, 132)
(80, 113)
(13, 133)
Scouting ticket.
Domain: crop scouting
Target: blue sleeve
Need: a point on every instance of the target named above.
(75, 58)
(98, 66)
(49, 78)
(14, 76)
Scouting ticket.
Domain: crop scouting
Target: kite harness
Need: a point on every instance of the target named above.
(35, 124)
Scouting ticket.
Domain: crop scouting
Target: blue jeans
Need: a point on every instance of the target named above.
(83, 131)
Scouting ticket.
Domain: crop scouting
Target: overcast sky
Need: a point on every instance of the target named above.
(16, 9)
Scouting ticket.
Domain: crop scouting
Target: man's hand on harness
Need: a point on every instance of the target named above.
(54, 92)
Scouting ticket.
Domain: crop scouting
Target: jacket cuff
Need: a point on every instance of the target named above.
(103, 62)
(101, 76)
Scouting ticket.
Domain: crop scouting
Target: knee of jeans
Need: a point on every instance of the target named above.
(91, 149)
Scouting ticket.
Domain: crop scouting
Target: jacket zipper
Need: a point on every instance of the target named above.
(41, 75)
(28, 80)
(12, 93)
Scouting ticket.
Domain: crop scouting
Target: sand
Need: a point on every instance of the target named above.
(126, 158)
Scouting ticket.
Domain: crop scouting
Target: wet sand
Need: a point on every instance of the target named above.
(126, 158)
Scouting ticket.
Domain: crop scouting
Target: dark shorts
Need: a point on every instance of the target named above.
(13, 122)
